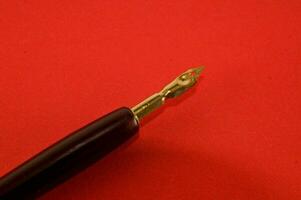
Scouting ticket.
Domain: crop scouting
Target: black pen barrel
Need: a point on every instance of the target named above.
(69, 156)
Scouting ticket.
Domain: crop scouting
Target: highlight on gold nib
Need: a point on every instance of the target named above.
(175, 88)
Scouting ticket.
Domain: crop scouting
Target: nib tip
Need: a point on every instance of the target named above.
(198, 70)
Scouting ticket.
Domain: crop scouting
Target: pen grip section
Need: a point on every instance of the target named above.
(69, 156)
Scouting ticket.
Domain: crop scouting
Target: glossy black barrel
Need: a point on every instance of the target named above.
(69, 156)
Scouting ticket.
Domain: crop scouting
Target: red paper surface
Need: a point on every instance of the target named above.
(236, 136)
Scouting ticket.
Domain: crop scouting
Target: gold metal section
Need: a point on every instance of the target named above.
(177, 87)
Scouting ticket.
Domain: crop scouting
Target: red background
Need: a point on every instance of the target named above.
(65, 63)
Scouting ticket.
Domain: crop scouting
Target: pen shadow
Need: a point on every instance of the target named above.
(148, 170)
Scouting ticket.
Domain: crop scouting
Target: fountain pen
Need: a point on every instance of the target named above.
(87, 145)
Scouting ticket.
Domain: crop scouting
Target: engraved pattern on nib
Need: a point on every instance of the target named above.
(175, 88)
(182, 83)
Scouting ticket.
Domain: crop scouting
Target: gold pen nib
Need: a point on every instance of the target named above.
(175, 88)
